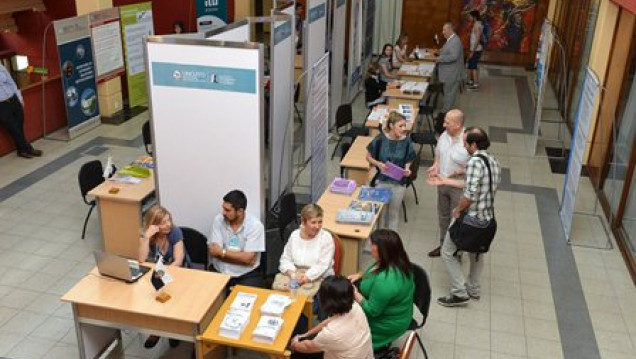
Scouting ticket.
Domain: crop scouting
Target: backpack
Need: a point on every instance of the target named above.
(485, 33)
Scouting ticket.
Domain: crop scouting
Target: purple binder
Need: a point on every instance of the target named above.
(394, 171)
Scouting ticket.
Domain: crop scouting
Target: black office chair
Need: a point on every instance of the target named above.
(425, 138)
(196, 246)
(344, 148)
(288, 213)
(422, 300)
(344, 118)
(428, 106)
(145, 134)
(90, 176)
(415, 167)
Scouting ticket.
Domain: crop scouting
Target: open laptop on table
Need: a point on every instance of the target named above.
(114, 266)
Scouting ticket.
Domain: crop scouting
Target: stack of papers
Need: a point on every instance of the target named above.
(378, 114)
(275, 305)
(375, 194)
(413, 87)
(409, 69)
(237, 316)
(352, 216)
(267, 329)
(406, 110)
(426, 69)
(233, 324)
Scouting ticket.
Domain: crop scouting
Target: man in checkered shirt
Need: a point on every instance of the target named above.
(478, 201)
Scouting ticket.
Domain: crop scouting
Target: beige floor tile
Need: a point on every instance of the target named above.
(542, 329)
(541, 349)
(438, 331)
(463, 352)
(513, 324)
(538, 310)
(508, 343)
(619, 342)
(506, 305)
(473, 337)
(473, 318)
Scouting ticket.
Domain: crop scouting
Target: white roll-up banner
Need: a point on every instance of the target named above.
(238, 31)
(317, 122)
(281, 102)
(337, 57)
(206, 106)
(316, 27)
(355, 49)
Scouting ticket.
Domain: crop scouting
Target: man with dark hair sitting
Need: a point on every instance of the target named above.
(345, 333)
(236, 242)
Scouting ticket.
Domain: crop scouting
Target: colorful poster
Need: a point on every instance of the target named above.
(211, 14)
(509, 23)
(136, 21)
(77, 72)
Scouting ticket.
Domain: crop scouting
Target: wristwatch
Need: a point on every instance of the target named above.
(223, 253)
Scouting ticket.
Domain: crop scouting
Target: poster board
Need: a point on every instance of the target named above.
(355, 49)
(584, 115)
(281, 97)
(77, 71)
(314, 47)
(136, 21)
(543, 64)
(211, 14)
(210, 141)
(337, 57)
(317, 122)
(238, 32)
(107, 49)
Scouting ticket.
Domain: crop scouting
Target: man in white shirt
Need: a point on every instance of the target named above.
(236, 242)
(450, 162)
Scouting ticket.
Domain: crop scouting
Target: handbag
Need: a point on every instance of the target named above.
(468, 234)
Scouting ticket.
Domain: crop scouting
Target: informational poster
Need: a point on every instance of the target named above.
(369, 25)
(136, 21)
(337, 57)
(211, 14)
(314, 49)
(577, 149)
(543, 61)
(74, 47)
(318, 123)
(107, 44)
(355, 49)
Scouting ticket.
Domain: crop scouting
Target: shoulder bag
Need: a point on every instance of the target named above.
(470, 236)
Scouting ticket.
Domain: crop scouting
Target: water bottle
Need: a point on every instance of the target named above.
(293, 285)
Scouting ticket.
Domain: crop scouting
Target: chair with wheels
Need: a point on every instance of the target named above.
(344, 118)
(196, 246)
(422, 300)
(145, 134)
(90, 176)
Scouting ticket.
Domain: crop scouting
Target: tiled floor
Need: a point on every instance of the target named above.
(541, 297)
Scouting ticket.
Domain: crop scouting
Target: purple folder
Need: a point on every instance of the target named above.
(394, 171)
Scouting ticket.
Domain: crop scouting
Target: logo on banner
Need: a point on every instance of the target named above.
(204, 77)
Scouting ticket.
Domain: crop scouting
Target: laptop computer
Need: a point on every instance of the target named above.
(112, 265)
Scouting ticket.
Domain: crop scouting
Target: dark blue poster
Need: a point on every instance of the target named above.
(78, 81)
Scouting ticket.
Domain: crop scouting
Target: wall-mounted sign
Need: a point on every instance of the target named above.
(211, 14)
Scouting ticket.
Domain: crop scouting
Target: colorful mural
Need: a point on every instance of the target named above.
(509, 22)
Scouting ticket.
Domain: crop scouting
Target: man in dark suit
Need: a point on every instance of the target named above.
(450, 66)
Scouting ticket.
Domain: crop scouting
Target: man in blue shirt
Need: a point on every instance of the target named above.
(12, 115)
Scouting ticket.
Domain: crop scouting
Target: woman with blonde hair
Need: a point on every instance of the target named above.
(161, 238)
(392, 145)
(400, 51)
(308, 254)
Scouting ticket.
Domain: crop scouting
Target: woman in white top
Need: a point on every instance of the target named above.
(309, 248)
(400, 51)
(345, 334)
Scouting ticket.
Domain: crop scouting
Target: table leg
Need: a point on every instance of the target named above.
(93, 340)
(203, 350)
(349, 250)
(308, 311)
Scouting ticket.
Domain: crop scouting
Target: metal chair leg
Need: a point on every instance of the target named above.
(417, 336)
(336, 148)
(86, 220)
(417, 201)
(404, 208)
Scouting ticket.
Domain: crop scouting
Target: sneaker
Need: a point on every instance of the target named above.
(474, 87)
(151, 341)
(452, 301)
(474, 296)
(469, 83)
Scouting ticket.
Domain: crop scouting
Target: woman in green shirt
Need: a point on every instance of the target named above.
(386, 289)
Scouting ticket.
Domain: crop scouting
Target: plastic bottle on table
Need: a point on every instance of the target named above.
(293, 285)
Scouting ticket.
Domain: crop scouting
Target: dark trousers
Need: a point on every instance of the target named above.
(12, 118)
(250, 279)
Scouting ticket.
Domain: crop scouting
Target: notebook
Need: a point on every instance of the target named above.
(112, 265)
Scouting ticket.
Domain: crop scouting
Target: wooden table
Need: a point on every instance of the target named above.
(396, 97)
(121, 214)
(424, 71)
(374, 125)
(352, 236)
(355, 161)
(103, 306)
(210, 340)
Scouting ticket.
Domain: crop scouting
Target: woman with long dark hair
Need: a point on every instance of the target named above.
(386, 289)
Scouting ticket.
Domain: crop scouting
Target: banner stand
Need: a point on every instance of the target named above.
(591, 93)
